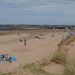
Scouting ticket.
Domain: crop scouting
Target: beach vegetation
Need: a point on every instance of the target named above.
(35, 69)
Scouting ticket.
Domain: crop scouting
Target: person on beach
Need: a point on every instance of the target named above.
(24, 42)
(18, 34)
(3, 56)
(10, 58)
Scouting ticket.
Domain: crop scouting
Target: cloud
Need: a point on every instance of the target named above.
(37, 11)
(13, 1)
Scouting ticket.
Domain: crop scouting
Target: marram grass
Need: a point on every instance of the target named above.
(59, 56)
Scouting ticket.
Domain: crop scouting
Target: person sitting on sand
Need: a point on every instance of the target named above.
(10, 58)
(3, 56)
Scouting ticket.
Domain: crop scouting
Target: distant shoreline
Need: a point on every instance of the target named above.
(23, 27)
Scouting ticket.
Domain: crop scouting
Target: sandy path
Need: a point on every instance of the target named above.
(35, 50)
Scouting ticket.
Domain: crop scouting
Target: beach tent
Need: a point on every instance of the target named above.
(69, 31)
(36, 37)
(70, 34)
(5, 57)
(21, 40)
(39, 38)
(14, 59)
(53, 35)
(64, 36)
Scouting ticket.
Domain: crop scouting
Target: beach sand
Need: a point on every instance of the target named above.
(35, 49)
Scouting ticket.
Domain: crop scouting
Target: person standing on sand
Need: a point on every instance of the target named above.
(24, 42)
(18, 34)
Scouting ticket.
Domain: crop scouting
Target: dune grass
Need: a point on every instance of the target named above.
(69, 68)
(28, 69)
(59, 56)
(10, 73)
(66, 41)
(35, 69)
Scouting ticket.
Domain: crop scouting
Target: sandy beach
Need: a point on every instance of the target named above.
(35, 49)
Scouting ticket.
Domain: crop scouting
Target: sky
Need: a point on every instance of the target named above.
(37, 12)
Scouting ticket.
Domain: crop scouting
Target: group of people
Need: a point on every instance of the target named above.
(8, 59)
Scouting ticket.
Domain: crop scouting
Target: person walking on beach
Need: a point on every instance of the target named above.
(24, 42)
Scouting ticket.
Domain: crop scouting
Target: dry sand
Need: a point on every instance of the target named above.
(35, 50)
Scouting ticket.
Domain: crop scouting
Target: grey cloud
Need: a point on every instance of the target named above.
(38, 11)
